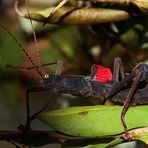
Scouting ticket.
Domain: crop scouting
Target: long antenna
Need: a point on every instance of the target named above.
(34, 34)
(23, 49)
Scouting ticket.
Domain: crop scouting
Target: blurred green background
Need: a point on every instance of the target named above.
(77, 46)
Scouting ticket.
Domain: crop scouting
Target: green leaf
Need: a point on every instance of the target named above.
(94, 121)
(79, 16)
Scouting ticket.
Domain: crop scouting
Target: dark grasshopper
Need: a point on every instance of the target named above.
(86, 86)
(89, 87)
(117, 91)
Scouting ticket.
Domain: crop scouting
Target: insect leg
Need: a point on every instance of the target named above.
(118, 67)
(31, 117)
(128, 101)
(120, 84)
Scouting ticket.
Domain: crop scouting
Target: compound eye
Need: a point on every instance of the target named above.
(46, 76)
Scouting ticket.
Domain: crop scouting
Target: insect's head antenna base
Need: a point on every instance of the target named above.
(34, 35)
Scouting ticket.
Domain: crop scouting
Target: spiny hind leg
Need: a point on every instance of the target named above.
(128, 102)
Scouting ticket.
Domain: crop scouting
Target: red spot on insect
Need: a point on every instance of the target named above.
(103, 74)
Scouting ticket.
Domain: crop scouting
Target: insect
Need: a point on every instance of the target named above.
(90, 86)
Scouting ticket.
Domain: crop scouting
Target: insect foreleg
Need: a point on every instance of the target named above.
(31, 117)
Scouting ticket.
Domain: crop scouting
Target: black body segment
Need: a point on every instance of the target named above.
(85, 86)
(140, 97)
(76, 85)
